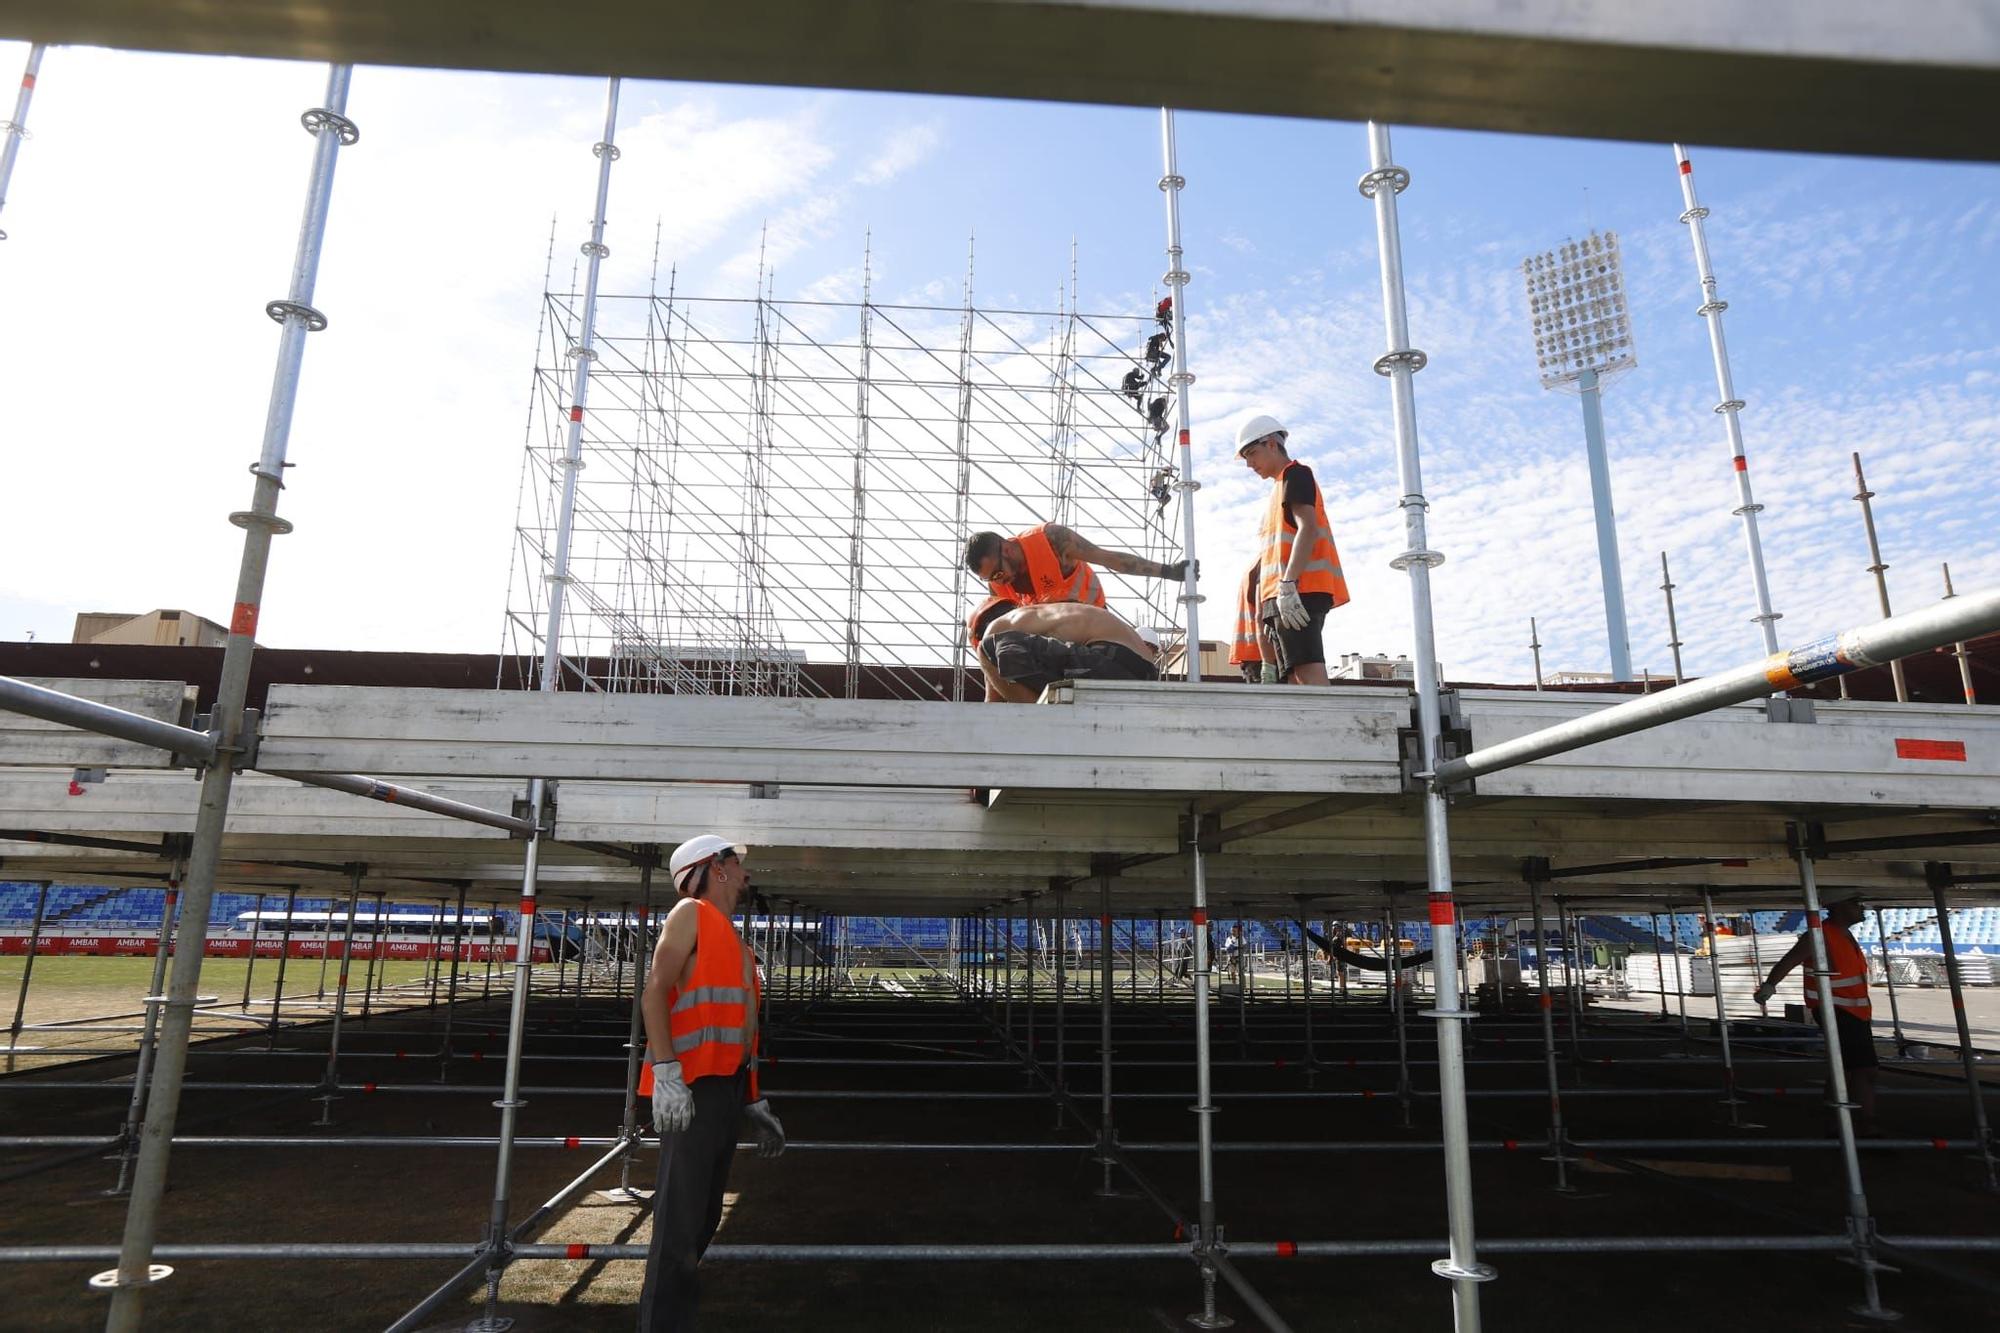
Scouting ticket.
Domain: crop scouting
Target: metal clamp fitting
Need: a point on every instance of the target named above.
(1729, 405)
(1180, 377)
(1390, 362)
(1696, 212)
(595, 249)
(1750, 509)
(1177, 277)
(1372, 182)
(1712, 307)
(319, 118)
(600, 149)
(1173, 182)
(271, 523)
(1428, 559)
(109, 1280)
(1473, 1272)
(280, 311)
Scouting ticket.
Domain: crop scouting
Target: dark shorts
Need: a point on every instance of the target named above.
(1037, 661)
(1857, 1039)
(1294, 648)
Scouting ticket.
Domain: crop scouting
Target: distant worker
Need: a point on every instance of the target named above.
(1299, 578)
(1246, 653)
(1025, 649)
(700, 1008)
(1051, 563)
(1848, 984)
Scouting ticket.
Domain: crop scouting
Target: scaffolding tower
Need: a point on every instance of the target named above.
(769, 483)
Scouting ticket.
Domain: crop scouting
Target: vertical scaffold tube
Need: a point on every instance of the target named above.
(1939, 876)
(1888, 980)
(135, 1109)
(136, 1271)
(1062, 987)
(1958, 649)
(1107, 1134)
(1207, 1234)
(1729, 1097)
(451, 987)
(635, 1040)
(1860, 1226)
(1171, 184)
(16, 129)
(28, 973)
(331, 1079)
(1879, 570)
(1667, 586)
(1546, 1003)
(584, 353)
(1382, 183)
(1711, 310)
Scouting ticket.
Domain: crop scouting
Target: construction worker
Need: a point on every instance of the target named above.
(700, 1008)
(1051, 563)
(1848, 983)
(1299, 577)
(1025, 649)
(1246, 653)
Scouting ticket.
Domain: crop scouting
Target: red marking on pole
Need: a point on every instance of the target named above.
(1180, 1232)
(1184, 439)
(576, 412)
(1949, 751)
(1548, 1000)
(576, 1251)
(28, 81)
(343, 978)
(1957, 1003)
(402, 1055)
(1105, 921)
(1200, 918)
(572, 1142)
(368, 1087)
(1742, 463)
(1939, 1144)
(479, 1055)
(1367, 1094)
(1687, 167)
(527, 906)
(1441, 912)
(1288, 1249)
(1510, 1145)
(642, 916)
(243, 620)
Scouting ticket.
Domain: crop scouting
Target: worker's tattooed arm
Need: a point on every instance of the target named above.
(1073, 548)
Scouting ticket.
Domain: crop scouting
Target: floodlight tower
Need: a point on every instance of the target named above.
(1583, 336)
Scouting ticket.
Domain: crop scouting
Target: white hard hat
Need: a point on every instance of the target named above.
(1839, 896)
(696, 852)
(1149, 635)
(1256, 428)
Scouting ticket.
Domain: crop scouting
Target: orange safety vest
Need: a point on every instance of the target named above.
(1046, 581)
(1247, 648)
(1849, 966)
(1321, 572)
(707, 1020)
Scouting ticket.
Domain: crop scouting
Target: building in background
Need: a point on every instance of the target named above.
(172, 629)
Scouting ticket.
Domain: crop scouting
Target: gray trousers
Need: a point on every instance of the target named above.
(687, 1203)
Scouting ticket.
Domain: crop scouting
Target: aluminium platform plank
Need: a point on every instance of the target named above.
(31, 741)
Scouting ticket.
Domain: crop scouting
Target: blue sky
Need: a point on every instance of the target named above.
(137, 358)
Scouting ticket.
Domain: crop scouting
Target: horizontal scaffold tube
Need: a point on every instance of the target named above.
(18, 696)
(576, 1142)
(415, 798)
(1964, 617)
(1237, 1249)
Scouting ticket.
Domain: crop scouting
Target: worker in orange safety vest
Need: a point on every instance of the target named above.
(1299, 578)
(1051, 563)
(1246, 652)
(700, 1011)
(1847, 980)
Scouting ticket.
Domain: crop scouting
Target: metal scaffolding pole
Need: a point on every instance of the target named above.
(374, 948)
(136, 1271)
(1878, 569)
(1958, 649)
(1398, 364)
(1546, 1003)
(1860, 1226)
(1711, 310)
(1176, 280)
(1306, 993)
(284, 956)
(28, 972)
(1667, 586)
(331, 1078)
(16, 128)
(1939, 876)
(1028, 1043)
(1062, 994)
(1399, 1009)
(250, 963)
(135, 1109)
(635, 1041)
(585, 353)
(451, 986)
(1207, 1235)
(1729, 1097)
(1107, 1136)
(1888, 980)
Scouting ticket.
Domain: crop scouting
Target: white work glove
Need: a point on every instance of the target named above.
(764, 1124)
(673, 1104)
(1764, 993)
(1292, 613)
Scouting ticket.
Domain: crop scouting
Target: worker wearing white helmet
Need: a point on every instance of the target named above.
(1299, 578)
(700, 1010)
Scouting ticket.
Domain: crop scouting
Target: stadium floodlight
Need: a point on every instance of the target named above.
(1583, 334)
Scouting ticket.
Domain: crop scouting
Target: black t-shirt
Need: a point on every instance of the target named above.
(1300, 489)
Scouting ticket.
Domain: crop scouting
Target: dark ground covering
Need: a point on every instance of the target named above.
(410, 1194)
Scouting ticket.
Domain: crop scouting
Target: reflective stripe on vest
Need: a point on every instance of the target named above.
(1321, 571)
(711, 1023)
(1849, 966)
(1247, 648)
(1046, 581)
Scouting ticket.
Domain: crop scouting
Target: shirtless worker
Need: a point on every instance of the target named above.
(1024, 649)
(1051, 563)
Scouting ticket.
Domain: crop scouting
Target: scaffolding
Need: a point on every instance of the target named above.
(767, 483)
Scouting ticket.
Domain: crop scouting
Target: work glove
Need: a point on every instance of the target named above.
(764, 1124)
(673, 1104)
(1178, 570)
(1764, 993)
(1292, 613)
